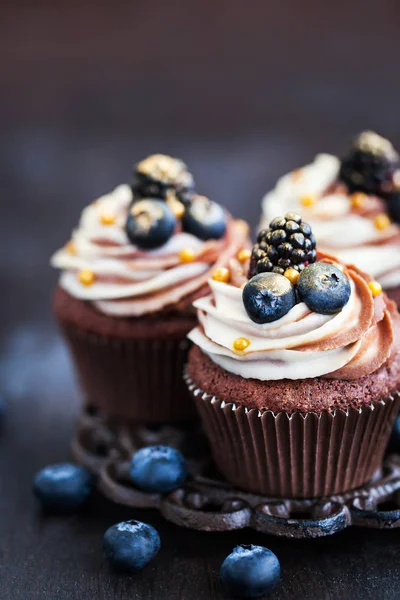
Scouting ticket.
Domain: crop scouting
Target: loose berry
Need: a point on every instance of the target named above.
(130, 545)
(370, 165)
(250, 571)
(288, 243)
(324, 288)
(268, 297)
(62, 487)
(150, 223)
(204, 218)
(158, 469)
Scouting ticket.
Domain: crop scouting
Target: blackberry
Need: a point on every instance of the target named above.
(158, 174)
(370, 165)
(288, 243)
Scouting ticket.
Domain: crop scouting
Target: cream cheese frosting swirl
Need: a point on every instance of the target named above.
(302, 344)
(349, 234)
(126, 281)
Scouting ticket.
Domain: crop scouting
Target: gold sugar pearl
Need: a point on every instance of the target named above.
(222, 274)
(86, 277)
(358, 200)
(240, 344)
(292, 275)
(382, 221)
(187, 255)
(375, 288)
(107, 218)
(243, 255)
(71, 247)
(307, 200)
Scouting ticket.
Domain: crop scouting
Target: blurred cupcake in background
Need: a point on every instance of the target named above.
(295, 368)
(129, 275)
(352, 204)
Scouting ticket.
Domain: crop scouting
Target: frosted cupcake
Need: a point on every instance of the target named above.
(138, 259)
(295, 369)
(353, 206)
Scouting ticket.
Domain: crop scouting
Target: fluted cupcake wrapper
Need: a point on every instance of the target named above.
(136, 380)
(296, 455)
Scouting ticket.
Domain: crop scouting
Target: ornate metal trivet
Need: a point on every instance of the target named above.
(208, 503)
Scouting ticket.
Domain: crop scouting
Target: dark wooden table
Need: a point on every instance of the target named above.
(242, 91)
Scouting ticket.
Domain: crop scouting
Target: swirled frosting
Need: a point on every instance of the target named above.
(347, 345)
(348, 233)
(128, 281)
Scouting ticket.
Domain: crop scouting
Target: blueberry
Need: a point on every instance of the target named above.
(158, 469)
(268, 297)
(205, 219)
(250, 571)
(324, 288)
(130, 545)
(63, 487)
(150, 223)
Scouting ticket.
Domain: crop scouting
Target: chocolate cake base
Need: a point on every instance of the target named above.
(129, 368)
(208, 503)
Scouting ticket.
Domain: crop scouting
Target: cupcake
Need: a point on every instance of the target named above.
(295, 369)
(129, 275)
(353, 205)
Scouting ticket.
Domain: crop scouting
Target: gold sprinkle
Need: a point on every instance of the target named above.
(243, 255)
(107, 218)
(375, 288)
(292, 275)
(358, 200)
(222, 274)
(307, 200)
(187, 255)
(86, 277)
(240, 344)
(382, 221)
(71, 247)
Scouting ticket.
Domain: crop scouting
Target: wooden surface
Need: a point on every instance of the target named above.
(243, 92)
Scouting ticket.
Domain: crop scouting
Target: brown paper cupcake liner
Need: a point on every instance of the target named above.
(137, 380)
(296, 455)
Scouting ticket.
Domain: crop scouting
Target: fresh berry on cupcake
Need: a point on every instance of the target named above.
(353, 205)
(295, 368)
(138, 259)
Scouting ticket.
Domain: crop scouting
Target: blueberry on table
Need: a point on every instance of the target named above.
(324, 288)
(130, 545)
(63, 487)
(150, 223)
(204, 218)
(158, 469)
(250, 571)
(268, 297)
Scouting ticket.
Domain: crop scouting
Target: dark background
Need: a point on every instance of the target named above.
(243, 91)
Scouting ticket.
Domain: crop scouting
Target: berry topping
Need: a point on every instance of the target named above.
(62, 487)
(158, 469)
(370, 165)
(130, 545)
(324, 288)
(268, 297)
(154, 176)
(150, 223)
(288, 243)
(204, 218)
(250, 571)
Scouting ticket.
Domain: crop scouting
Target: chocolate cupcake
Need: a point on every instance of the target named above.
(352, 204)
(138, 259)
(295, 369)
